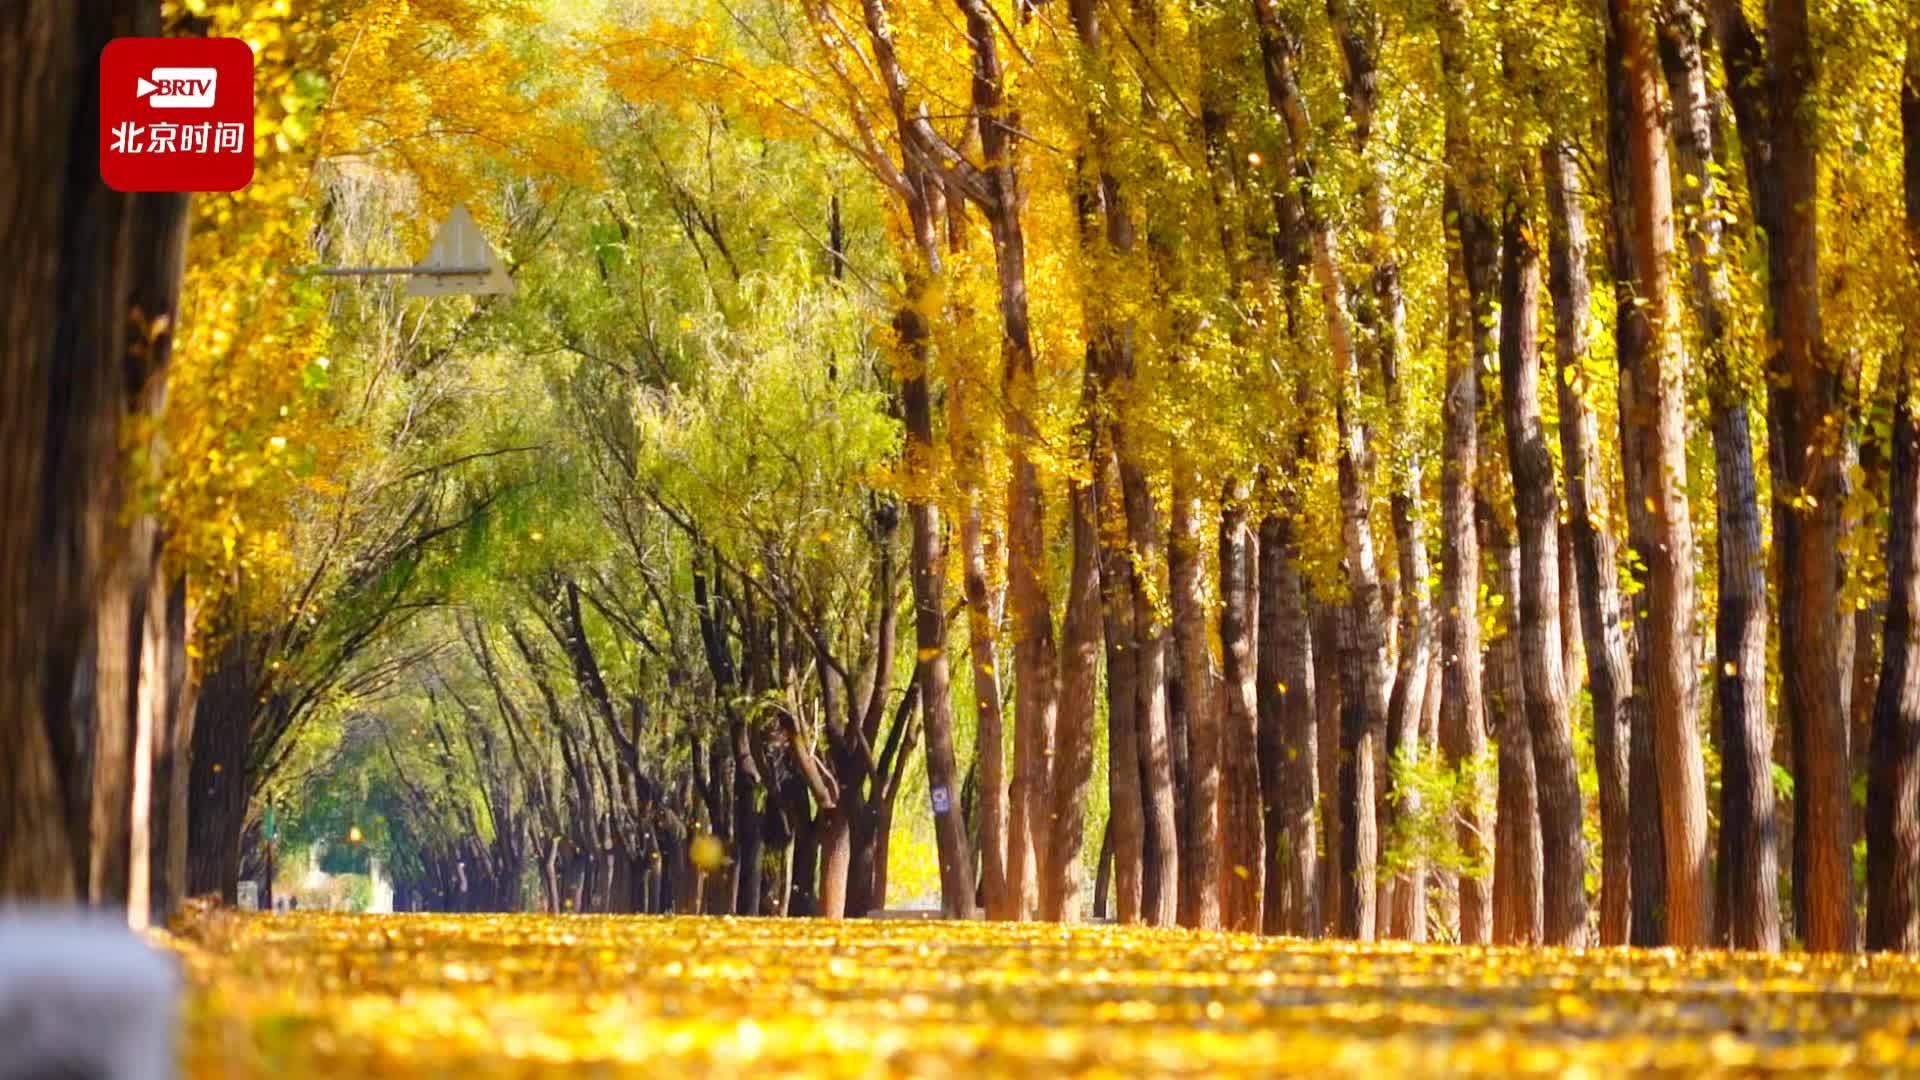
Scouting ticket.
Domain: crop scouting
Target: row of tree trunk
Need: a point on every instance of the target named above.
(1174, 719)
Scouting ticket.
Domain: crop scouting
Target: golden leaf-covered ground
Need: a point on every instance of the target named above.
(484, 996)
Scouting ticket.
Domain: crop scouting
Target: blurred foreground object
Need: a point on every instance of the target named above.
(83, 997)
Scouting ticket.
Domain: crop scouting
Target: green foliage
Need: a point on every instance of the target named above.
(344, 858)
(1431, 801)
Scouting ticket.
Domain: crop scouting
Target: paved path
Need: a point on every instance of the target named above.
(334, 996)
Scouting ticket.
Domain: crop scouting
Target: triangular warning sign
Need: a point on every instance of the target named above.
(460, 263)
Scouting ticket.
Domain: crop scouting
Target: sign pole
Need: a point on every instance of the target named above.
(460, 263)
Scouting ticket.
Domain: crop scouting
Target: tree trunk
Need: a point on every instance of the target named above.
(1647, 925)
(803, 894)
(550, 876)
(746, 854)
(1063, 889)
(1242, 820)
(1537, 509)
(1407, 705)
(1767, 85)
(149, 728)
(1573, 645)
(87, 272)
(989, 752)
(1327, 692)
(1365, 671)
(1868, 624)
(1035, 659)
(1893, 778)
(1289, 781)
(1359, 838)
(1160, 887)
(1808, 474)
(1747, 862)
(1183, 800)
(1518, 903)
(1462, 723)
(1035, 664)
(1470, 323)
(1107, 231)
(114, 661)
(930, 621)
(1595, 559)
(121, 777)
(217, 807)
(1126, 818)
(49, 51)
(1382, 323)
(1657, 421)
(173, 746)
(1199, 906)
(1441, 913)
(836, 856)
